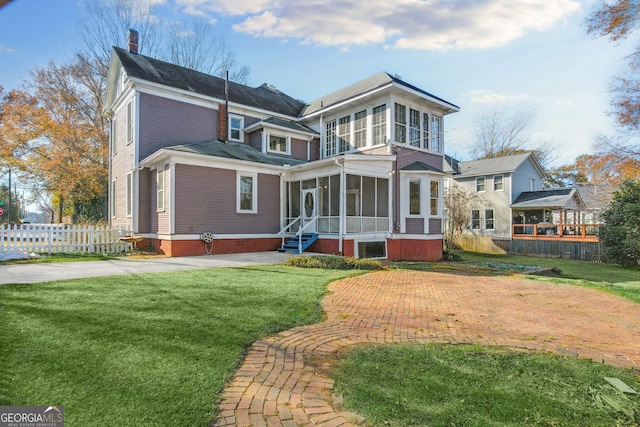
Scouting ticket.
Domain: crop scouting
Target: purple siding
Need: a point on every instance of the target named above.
(435, 225)
(144, 201)
(255, 140)
(205, 200)
(408, 156)
(165, 122)
(415, 226)
(299, 149)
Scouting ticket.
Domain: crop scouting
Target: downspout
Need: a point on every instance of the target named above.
(342, 206)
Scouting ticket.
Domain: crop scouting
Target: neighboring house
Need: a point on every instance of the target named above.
(360, 169)
(512, 204)
(498, 182)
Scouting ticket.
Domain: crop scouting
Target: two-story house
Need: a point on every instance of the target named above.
(498, 182)
(195, 156)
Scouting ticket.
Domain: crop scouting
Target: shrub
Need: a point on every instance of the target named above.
(334, 263)
(620, 237)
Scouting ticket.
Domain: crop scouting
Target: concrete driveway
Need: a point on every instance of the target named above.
(46, 272)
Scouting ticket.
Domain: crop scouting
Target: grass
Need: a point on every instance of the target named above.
(61, 258)
(431, 385)
(153, 349)
(622, 281)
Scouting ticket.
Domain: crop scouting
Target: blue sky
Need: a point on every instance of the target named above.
(482, 55)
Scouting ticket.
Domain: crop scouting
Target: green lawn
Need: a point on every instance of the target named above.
(622, 281)
(411, 385)
(146, 350)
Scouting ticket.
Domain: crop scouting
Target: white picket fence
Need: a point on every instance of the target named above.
(63, 238)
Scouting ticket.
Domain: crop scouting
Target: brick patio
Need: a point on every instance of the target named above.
(284, 379)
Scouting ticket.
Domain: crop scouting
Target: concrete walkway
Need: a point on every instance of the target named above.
(284, 379)
(45, 272)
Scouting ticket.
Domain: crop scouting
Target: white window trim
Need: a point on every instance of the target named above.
(114, 205)
(241, 129)
(254, 198)
(484, 180)
(287, 144)
(420, 195)
(439, 198)
(487, 219)
(160, 192)
(494, 183)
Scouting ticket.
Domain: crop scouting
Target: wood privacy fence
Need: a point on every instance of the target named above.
(63, 238)
(578, 250)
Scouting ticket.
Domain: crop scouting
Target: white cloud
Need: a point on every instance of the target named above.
(405, 24)
(6, 49)
(481, 96)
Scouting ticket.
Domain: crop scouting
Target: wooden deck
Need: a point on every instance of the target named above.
(562, 232)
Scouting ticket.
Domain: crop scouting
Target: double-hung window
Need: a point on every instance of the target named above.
(475, 219)
(488, 219)
(414, 127)
(247, 193)
(379, 124)
(236, 124)
(129, 122)
(129, 201)
(480, 184)
(330, 139)
(360, 129)
(160, 184)
(401, 123)
(498, 184)
(436, 137)
(344, 134)
(425, 131)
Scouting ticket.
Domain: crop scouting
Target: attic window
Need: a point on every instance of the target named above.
(236, 124)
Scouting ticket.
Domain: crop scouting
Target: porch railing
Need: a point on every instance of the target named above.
(284, 229)
(548, 230)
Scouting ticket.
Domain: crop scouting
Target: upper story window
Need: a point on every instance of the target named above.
(498, 184)
(418, 128)
(360, 129)
(379, 130)
(344, 134)
(279, 144)
(112, 137)
(414, 127)
(532, 184)
(331, 139)
(436, 134)
(236, 125)
(401, 123)
(480, 184)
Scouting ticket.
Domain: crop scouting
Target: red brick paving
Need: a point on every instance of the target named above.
(284, 379)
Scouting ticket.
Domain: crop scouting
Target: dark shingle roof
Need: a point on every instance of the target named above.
(363, 86)
(493, 165)
(263, 97)
(288, 124)
(233, 150)
(553, 198)
(420, 166)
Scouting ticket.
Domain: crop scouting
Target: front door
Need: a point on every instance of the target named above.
(309, 209)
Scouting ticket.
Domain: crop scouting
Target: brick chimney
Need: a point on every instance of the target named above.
(132, 41)
(223, 123)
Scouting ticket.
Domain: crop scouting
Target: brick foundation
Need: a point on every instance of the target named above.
(414, 250)
(176, 248)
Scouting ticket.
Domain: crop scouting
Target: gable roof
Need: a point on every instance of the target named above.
(275, 122)
(232, 150)
(264, 97)
(496, 165)
(420, 166)
(370, 84)
(551, 198)
(597, 197)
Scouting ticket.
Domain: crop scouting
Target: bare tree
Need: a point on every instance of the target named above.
(458, 203)
(193, 45)
(107, 24)
(505, 133)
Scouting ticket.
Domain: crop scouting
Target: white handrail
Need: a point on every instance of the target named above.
(301, 230)
(282, 231)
